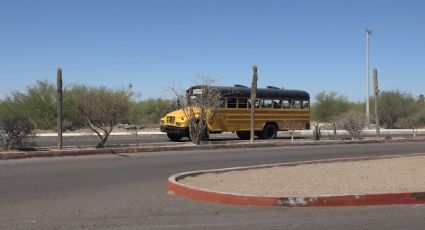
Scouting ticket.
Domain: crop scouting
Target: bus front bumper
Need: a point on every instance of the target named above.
(175, 130)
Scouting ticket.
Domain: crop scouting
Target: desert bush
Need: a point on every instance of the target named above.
(101, 109)
(352, 121)
(38, 102)
(328, 105)
(394, 105)
(149, 111)
(15, 130)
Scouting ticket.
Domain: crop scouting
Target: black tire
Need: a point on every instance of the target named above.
(243, 135)
(174, 137)
(269, 132)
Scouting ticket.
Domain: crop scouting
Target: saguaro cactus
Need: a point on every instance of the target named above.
(59, 107)
(253, 97)
(375, 83)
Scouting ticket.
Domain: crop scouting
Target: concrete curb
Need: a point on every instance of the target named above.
(188, 147)
(319, 201)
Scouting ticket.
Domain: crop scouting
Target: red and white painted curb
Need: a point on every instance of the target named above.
(201, 194)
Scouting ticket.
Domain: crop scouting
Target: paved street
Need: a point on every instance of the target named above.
(127, 191)
(153, 138)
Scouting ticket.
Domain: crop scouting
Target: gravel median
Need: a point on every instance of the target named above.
(400, 174)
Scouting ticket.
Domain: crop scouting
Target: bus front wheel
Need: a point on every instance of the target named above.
(269, 132)
(174, 137)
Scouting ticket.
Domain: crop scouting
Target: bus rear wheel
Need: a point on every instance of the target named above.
(269, 132)
(174, 137)
(243, 135)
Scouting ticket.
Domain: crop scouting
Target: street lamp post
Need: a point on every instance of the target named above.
(368, 33)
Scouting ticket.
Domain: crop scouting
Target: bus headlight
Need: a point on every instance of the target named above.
(178, 124)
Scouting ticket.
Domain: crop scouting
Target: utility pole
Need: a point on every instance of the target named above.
(59, 107)
(253, 97)
(376, 90)
(368, 34)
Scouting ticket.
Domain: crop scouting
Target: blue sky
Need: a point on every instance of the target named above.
(311, 45)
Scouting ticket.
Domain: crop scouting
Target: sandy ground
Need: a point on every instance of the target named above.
(404, 174)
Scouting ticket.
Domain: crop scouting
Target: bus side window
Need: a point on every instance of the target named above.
(222, 103)
(267, 103)
(277, 104)
(296, 104)
(257, 103)
(306, 104)
(285, 104)
(242, 103)
(231, 103)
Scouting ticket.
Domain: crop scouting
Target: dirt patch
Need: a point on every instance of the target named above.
(402, 174)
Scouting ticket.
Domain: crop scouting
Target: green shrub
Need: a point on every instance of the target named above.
(394, 105)
(149, 111)
(328, 105)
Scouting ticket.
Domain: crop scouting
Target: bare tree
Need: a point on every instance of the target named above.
(101, 108)
(199, 107)
(412, 122)
(352, 121)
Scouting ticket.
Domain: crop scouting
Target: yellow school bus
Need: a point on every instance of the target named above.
(276, 109)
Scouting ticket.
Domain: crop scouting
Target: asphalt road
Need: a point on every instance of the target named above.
(128, 191)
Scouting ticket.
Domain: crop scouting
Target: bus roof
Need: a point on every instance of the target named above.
(270, 93)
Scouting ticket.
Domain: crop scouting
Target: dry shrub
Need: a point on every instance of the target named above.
(352, 121)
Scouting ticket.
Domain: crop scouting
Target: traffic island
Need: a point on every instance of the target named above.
(389, 180)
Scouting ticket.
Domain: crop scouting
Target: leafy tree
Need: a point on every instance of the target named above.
(101, 109)
(414, 120)
(394, 105)
(328, 105)
(149, 111)
(37, 103)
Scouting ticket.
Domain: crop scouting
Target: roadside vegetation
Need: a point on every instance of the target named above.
(101, 109)
(396, 109)
(98, 108)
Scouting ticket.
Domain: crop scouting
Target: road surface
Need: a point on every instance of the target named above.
(128, 191)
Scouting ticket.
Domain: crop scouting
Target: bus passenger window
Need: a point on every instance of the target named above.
(285, 104)
(267, 103)
(306, 104)
(296, 104)
(231, 103)
(222, 103)
(276, 104)
(257, 103)
(242, 103)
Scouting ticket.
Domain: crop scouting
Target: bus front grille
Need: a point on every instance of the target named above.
(170, 119)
